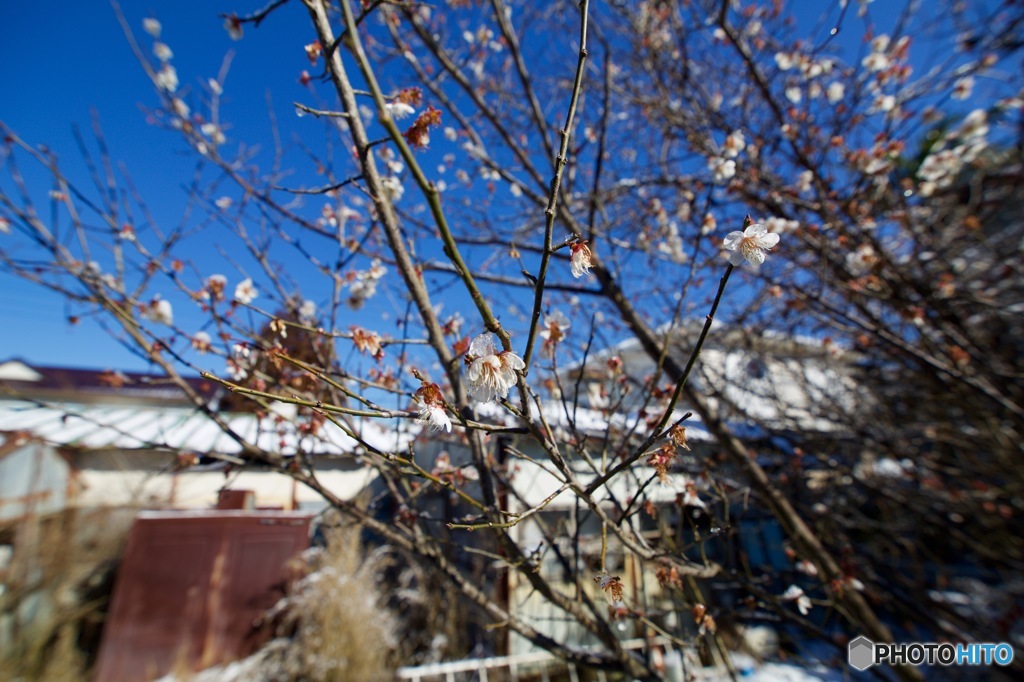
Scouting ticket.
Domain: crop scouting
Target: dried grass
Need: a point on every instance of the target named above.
(55, 592)
(338, 626)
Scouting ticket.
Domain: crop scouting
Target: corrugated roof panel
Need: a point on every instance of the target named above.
(197, 428)
(25, 416)
(179, 428)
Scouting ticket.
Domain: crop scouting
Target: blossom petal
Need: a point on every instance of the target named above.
(768, 241)
(482, 345)
(732, 240)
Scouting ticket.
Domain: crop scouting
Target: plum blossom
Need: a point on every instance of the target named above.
(393, 188)
(796, 593)
(804, 181)
(708, 224)
(214, 286)
(180, 108)
(721, 169)
(245, 292)
(158, 310)
(835, 93)
(367, 342)
(491, 373)
(435, 417)
(151, 26)
(861, 261)
(5, 225)
(167, 78)
(313, 51)
(555, 326)
(735, 143)
(307, 312)
(784, 60)
(750, 245)
(963, 87)
(233, 25)
(240, 362)
(883, 103)
(432, 410)
(363, 284)
(879, 60)
(162, 51)
(611, 585)
(580, 261)
(201, 341)
(213, 131)
(399, 110)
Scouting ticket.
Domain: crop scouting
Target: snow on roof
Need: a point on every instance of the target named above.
(97, 426)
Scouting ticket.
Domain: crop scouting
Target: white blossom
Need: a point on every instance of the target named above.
(245, 292)
(795, 593)
(975, 125)
(167, 78)
(963, 87)
(804, 180)
(201, 341)
(491, 373)
(721, 169)
(861, 261)
(152, 27)
(213, 131)
(162, 51)
(836, 91)
(240, 361)
(180, 108)
(556, 324)
(393, 188)
(364, 286)
(399, 110)
(735, 143)
(708, 224)
(436, 417)
(580, 262)
(158, 310)
(750, 245)
(233, 25)
(784, 61)
(307, 312)
(214, 287)
(883, 103)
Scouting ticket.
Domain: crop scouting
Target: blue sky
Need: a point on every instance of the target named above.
(63, 61)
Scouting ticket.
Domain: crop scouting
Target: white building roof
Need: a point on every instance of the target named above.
(98, 426)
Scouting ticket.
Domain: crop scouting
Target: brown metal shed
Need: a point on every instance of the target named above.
(192, 588)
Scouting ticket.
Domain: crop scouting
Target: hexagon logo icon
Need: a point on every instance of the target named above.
(861, 654)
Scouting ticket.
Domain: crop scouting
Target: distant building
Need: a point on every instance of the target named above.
(83, 438)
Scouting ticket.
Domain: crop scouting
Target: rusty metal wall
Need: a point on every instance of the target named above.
(192, 587)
